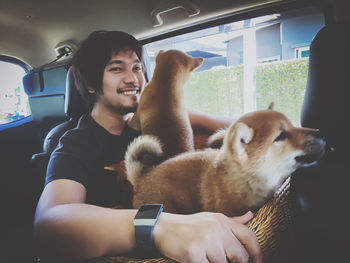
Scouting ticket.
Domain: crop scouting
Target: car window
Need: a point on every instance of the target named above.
(13, 100)
(248, 63)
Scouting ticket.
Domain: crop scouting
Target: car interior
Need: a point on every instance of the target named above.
(293, 52)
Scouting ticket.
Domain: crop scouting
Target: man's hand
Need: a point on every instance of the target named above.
(207, 237)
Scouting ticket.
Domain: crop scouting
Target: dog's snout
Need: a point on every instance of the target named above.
(315, 145)
(317, 134)
(314, 150)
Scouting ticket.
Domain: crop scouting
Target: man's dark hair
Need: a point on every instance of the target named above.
(92, 57)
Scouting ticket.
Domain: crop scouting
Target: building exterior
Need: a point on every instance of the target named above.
(280, 38)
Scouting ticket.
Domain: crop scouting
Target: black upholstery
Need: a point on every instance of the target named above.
(322, 190)
(327, 98)
(74, 107)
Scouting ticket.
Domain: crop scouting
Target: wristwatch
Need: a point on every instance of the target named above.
(144, 222)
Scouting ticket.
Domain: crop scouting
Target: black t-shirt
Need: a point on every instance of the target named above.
(81, 155)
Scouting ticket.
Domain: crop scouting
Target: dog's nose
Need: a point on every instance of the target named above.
(315, 145)
(313, 151)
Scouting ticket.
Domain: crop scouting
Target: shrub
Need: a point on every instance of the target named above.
(220, 91)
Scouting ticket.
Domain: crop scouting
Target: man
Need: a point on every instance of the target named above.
(72, 219)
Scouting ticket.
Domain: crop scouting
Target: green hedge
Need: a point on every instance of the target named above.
(220, 91)
(217, 92)
(284, 83)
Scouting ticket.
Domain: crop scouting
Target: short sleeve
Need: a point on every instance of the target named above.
(74, 158)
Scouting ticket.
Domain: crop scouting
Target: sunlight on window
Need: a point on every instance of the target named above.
(14, 103)
(248, 64)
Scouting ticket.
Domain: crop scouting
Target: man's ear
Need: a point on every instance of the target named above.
(236, 140)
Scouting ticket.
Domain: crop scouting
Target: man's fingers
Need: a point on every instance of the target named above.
(236, 252)
(217, 257)
(207, 237)
(244, 219)
(249, 240)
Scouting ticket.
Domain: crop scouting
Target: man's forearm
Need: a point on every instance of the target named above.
(84, 231)
(208, 123)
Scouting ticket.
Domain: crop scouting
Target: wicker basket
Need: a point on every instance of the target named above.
(273, 224)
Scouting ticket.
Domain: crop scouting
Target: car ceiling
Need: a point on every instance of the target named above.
(30, 30)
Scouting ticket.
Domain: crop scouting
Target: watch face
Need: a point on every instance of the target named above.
(148, 212)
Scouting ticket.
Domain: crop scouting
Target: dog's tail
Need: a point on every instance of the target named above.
(142, 154)
(216, 140)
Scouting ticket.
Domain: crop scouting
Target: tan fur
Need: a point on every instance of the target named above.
(145, 148)
(241, 175)
(161, 111)
(215, 140)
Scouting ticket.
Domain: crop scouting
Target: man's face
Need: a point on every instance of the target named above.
(122, 82)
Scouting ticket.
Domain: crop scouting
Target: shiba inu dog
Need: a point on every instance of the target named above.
(161, 111)
(259, 151)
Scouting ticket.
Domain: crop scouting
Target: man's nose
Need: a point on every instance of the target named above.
(130, 76)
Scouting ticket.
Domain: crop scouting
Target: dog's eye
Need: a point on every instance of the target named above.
(281, 137)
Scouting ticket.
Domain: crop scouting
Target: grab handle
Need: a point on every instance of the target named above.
(190, 8)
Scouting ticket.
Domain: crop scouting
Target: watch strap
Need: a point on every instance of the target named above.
(144, 236)
(144, 225)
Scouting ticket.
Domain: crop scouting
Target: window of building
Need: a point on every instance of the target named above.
(13, 100)
(302, 52)
(248, 64)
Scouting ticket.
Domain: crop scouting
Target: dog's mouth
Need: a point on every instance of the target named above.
(129, 91)
(308, 158)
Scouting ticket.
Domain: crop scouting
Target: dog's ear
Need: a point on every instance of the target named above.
(197, 62)
(159, 55)
(237, 137)
(271, 106)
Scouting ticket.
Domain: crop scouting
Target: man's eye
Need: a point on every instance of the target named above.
(115, 69)
(138, 68)
(282, 136)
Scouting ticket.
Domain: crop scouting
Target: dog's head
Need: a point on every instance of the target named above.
(175, 61)
(265, 142)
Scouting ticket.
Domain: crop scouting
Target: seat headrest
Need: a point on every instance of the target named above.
(45, 87)
(327, 96)
(74, 106)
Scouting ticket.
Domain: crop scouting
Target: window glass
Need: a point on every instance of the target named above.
(249, 63)
(14, 103)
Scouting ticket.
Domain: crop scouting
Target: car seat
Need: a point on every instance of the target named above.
(74, 107)
(322, 189)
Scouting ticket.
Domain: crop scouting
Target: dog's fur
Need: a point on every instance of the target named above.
(259, 152)
(161, 111)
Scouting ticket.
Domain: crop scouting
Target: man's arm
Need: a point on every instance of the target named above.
(206, 123)
(65, 227)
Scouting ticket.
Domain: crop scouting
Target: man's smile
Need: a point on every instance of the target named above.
(129, 91)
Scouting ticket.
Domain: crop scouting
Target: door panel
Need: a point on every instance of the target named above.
(20, 189)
